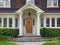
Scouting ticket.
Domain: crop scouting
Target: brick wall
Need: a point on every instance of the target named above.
(20, 3)
(38, 3)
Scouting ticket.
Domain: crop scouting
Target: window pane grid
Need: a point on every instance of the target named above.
(4, 3)
(53, 22)
(1, 2)
(5, 22)
(52, 3)
(58, 22)
(47, 22)
(7, 3)
(10, 22)
(49, 2)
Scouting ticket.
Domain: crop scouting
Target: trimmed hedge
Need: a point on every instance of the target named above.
(8, 32)
(5, 38)
(49, 32)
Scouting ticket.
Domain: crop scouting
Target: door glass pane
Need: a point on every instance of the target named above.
(5, 22)
(10, 22)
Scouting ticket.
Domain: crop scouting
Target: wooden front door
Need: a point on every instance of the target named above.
(29, 25)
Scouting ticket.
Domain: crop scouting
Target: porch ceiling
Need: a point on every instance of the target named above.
(32, 12)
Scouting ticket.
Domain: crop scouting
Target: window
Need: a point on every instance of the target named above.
(0, 22)
(1, 2)
(10, 22)
(47, 22)
(5, 22)
(16, 22)
(52, 3)
(4, 3)
(53, 22)
(27, 1)
(58, 22)
(41, 22)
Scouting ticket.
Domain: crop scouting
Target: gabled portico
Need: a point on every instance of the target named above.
(38, 12)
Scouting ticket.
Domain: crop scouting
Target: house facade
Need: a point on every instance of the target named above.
(29, 16)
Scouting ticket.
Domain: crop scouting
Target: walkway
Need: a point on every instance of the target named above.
(29, 43)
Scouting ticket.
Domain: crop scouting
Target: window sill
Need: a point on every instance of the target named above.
(52, 7)
(6, 7)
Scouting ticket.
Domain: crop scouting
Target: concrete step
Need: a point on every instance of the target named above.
(29, 39)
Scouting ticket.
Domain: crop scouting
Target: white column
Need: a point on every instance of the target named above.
(38, 24)
(13, 22)
(7, 22)
(20, 24)
(44, 22)
(55, 22)
(2, 22)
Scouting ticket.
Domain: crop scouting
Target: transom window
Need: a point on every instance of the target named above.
(32, 1)
(52, 3)
(4, 3)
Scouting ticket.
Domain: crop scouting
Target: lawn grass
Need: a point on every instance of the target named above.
(51, 43)
(6, 43)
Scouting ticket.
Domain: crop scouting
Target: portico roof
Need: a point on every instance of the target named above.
(31, 6)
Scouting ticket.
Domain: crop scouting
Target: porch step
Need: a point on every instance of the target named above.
(29, 39)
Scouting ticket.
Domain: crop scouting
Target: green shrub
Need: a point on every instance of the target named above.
(8, 32)
(49, 32)
(5, 38)
(58, 38)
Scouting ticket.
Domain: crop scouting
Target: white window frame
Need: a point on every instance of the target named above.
(52, 22)
(4, 6)
(58, 23)
(49, 22)
(30, 1)
(52, 4)
(12, 23)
